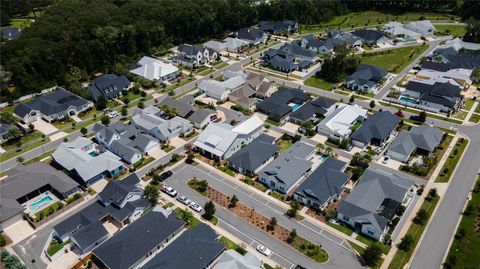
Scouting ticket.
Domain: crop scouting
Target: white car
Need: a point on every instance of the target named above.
(386, 159)
(170, 191)
(112, 114)
(264, 250)
(196, 207)
(183, 199)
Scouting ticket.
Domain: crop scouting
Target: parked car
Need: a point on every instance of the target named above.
(165, 175)
(170, 191)
(349, 147)
(400, 114)
(264, 250)
(183, 199)
(386, 159)
(196, 207)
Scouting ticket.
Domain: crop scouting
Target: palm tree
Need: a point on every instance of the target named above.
(320, 148)
(13, 134)
(329, 151)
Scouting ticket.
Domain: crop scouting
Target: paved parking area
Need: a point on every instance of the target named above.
(44, 127)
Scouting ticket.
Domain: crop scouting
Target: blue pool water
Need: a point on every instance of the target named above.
(295, 107)
(45, 200)
(408, 100)
(93, 154)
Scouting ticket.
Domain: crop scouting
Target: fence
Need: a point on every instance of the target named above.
(408, 104)
(28, 96)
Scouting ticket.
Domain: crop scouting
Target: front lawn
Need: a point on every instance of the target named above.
(341, 227)
(191, 220)
(320, 83)
(284, 144)
(11, 152)
(254, 183)
(475, 118)
(453, 30)
(466, 245)
(226, 170)
(394, 60)
(54, 247)
(452, 160)
(229, 244)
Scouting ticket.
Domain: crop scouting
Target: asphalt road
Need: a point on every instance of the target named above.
(340, 252)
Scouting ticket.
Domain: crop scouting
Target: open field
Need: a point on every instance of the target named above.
(320, 83)
(394, 60)
(454, 30)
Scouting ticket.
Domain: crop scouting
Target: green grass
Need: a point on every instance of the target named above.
(368, 241)
(466, 250)
(469, 103)
(272, 122)
(226, 170)
(207, 72)
(190, 135)
(167, 148)
(452, 161)
(195, 184)
(460, 115)
(361, 97)
(39, 157)
(167, 205)
(277, 195)
(415, 230)
(220, 65)
(20, 23)
(284, 144)
(47, 211)
(310, 250)
(55, 247)
(394, 60)
(341, 227)
(229, 244)
(454, 30)
(320, 83)
(185, 93)
(24, 148)
(194, 222)
(474, 118)
(477, 110)
(254, 183)
(178, 85)
(143, 162)
(356, 125)
(214, 220)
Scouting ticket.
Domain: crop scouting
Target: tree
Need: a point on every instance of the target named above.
(372, 104)
(335, 68)
(422, 117)
(152, 193)
(406, 243)
(105, 120)
(352, 99)
(372, 254)
(124, 111)
(7, 117)
(101, 103)
(233, 202)
(13, 134)
(473, 31)
(187, 216)
(292, 236)
(84, 131)
(320, 148)
(328, 151)
(421, 216)
(141, 105)
(292, 211)
(20, 159)
(271, 225)
(203, 185)
(209, 210)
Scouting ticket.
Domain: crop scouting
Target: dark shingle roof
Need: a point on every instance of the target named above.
(367, 74)
(250, 33)
(108, 85)
(182, 108)
(116, 190)
(378, 126)
(90, 234)
(319, 106)
(132, 243)
(370, 35)
(253, 155)
(440, 93)
(196, 248)
(277, 104)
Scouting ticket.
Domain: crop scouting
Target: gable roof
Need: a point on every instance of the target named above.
(441, 93)
(182, 108)
(108, 85)
(190, 50)
(424, 137)
(117, 190)
(277, 103)
(378, 126)
(374, 198)
(231, 259)
(128, 246)
(153, 69)
(342, 118)
(253, 155)
(369, 35)
(196, 248)
(367, 75)
(52, 103)
(216, 88)
(324, 182)
(420, 26)
(318, 106)
(89, 234)
(199, 115)
(250, 34)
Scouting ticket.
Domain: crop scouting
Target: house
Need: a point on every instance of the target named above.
(398, 31)
(372, 37)
(219, 141)
(86, 162)
(338, 124)
(216, 45)
(201, 117)
(292, 166)
(441, 96)
(109, 86)
(194, 56)
(372, 204)
(253, 36)
(10, 33)
(440, 72)
(139, 240)
(282, 102)
(315, 45)
(53, 106)
(367, 78)
(459, 53)
(234, 44)
(4, 129)
(244, 95)
(425, 27)
(341, 38)
(282, 27)
(182, 108)
(262, 86)
(196, 248)
(231, 259)
(119, 203)
(376, 130)
(289, 57)
(312, 110)
(149, 120)
(25, 183)
(250, 159)
(423, 139)
(125, 141)
(220, 89)
(155, 70)
(323, 186)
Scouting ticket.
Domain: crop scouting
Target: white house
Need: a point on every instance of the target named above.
(425, 27)
(154, 69)
(338, 124)
(221, 89)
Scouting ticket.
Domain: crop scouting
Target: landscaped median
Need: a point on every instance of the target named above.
(289, 237)
(452, 161)
(411, 238)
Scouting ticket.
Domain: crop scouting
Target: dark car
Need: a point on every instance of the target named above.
(164, 176)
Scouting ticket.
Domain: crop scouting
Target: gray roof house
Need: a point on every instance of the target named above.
(4, 128)
(56, 105)
(377, 129)
(282, 102)
(196, 248)
(86, 162)
(126, 141)
(424, 139)
(26, 182)
(132, 245)
(201, 117)
(323, 186)
(254, 156)
(253, 36)
(231, 259)
(183, 109)
(312, 110)
(371, 37)
(339, 37)
(280, 27)
(367, 78)
(150, 121)
(442, 96)
(372, 204)
(194, 56)
(289, 57)
(108, 85)
(316, 45)
(283, 173)
(220, 90)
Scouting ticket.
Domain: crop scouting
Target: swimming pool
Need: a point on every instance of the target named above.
(35, 206)
(294, 107)
(93, 153)
(408, 100)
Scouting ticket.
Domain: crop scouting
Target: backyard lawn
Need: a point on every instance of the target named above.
(317, 82)
(394, 60)
(465, 248)
(454, 30)
(284, 144)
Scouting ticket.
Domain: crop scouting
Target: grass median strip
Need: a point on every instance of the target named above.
(452, 161)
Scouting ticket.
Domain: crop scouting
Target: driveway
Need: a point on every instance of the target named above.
(44, 127)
